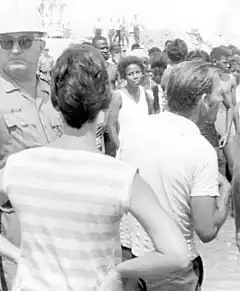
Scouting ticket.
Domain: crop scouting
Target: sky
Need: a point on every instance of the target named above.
(209, 16)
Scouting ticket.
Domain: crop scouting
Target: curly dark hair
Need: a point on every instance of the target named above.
(80, 85)
(177, 50)
(159, 60)
(219, 51)
(127, 61)
(198, 54)
(187, 83)
(154, 50)
(135, 46)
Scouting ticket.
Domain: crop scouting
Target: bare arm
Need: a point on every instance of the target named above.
(236, 189)
(209, 210)
(227, 102)
(235, 109)
(112, 121)
(7, 249)
(171, 251)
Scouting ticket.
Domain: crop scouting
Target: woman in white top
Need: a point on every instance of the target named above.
(70, 197)
(129, 104)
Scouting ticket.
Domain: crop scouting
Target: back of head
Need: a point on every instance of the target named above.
(135, 46)
(159, 60)
(154, 50)
(87, 43)
(140, 53)
(198, 54)
(187, 83)
(98, 38)
(167, 42)
(220, 51)
(80, 85)
(177, 51)
(234, 50)
(115, 48)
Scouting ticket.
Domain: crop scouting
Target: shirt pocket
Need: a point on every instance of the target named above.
(22, 130)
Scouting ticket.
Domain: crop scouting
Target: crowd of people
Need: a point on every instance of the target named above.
(110, 167)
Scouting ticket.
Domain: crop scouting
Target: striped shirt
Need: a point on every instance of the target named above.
(70, 204)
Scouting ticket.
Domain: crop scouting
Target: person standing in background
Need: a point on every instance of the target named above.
(46, 64)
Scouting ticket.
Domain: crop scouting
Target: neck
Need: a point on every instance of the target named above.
(27, 83)
(133, 91)
(193, 117)
(29, 86)
(78, 139)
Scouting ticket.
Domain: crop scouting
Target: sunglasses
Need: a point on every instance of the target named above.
(25, 42)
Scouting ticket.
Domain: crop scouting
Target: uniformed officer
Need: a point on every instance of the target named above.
(46, 64)
(27, 117)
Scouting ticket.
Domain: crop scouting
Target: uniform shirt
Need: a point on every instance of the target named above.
(178, 163)
(70, 204)
(26, 122)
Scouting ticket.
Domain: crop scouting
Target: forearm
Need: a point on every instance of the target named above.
(236, 119)
(221, 211)
(229, 120)
(236, 200)
(112, 132)
(9, 250)
(151, 265)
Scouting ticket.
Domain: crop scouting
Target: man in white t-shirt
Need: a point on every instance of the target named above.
(181, 167)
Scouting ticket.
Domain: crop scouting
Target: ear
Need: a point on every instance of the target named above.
(214, 62)
(203, 102)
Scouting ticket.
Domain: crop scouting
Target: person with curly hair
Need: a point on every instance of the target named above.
(198, 54)
(70, 197)
(153, 51)
(177, 52)
(129, 103)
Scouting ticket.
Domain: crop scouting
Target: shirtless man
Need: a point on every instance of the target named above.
(228, 113)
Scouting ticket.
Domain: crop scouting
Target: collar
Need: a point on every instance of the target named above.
(8, 84)
(182, 122)
(43, 87)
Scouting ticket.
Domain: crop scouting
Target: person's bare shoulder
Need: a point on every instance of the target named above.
(228, 82)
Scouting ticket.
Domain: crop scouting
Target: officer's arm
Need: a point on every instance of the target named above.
(3, 196)
(7, 249)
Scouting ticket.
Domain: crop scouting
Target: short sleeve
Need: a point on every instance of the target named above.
(130, 173)
(205, 176)
(5, 175)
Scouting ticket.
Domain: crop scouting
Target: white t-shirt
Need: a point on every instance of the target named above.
(178, 163)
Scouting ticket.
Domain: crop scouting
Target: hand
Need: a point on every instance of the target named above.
(225, 188)
(223, 141)
(112, 282)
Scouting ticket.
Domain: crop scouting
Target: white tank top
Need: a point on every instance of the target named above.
(131, 111)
